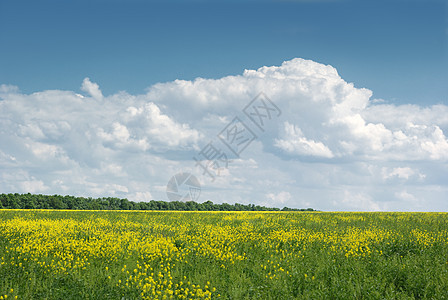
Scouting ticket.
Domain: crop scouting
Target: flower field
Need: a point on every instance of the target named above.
(49, 254)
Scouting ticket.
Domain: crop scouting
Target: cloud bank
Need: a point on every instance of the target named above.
(333, 147)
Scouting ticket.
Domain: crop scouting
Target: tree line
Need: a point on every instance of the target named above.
(38, 201)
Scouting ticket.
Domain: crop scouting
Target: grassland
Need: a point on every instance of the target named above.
(47, 254)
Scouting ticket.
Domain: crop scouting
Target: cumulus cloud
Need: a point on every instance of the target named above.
(92, 89)
(281, 197)
(142, 197)
(294, 142)
(332, 146)
(325, 116)
(71, 144)
(402, 173)
(33, 186)
(359, 202)
(161, 128)
(8, 89)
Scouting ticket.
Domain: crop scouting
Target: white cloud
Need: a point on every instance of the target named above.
(404, 195)
(279, 198)
(33, 186)
(294, 142)
(402, 173)
(92, 88)
(141, 196)
(120, 138)
(8, 89)
(6, 159)
(332, 147)
(161, 128)
(358, 202)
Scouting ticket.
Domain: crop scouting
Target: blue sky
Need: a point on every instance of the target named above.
(114, 98)
(395, 48)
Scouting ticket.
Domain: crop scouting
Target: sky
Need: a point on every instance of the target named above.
(113, 98)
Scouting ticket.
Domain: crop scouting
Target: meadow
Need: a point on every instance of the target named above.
(54, 254)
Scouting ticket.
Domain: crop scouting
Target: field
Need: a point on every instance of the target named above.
(47, 254)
